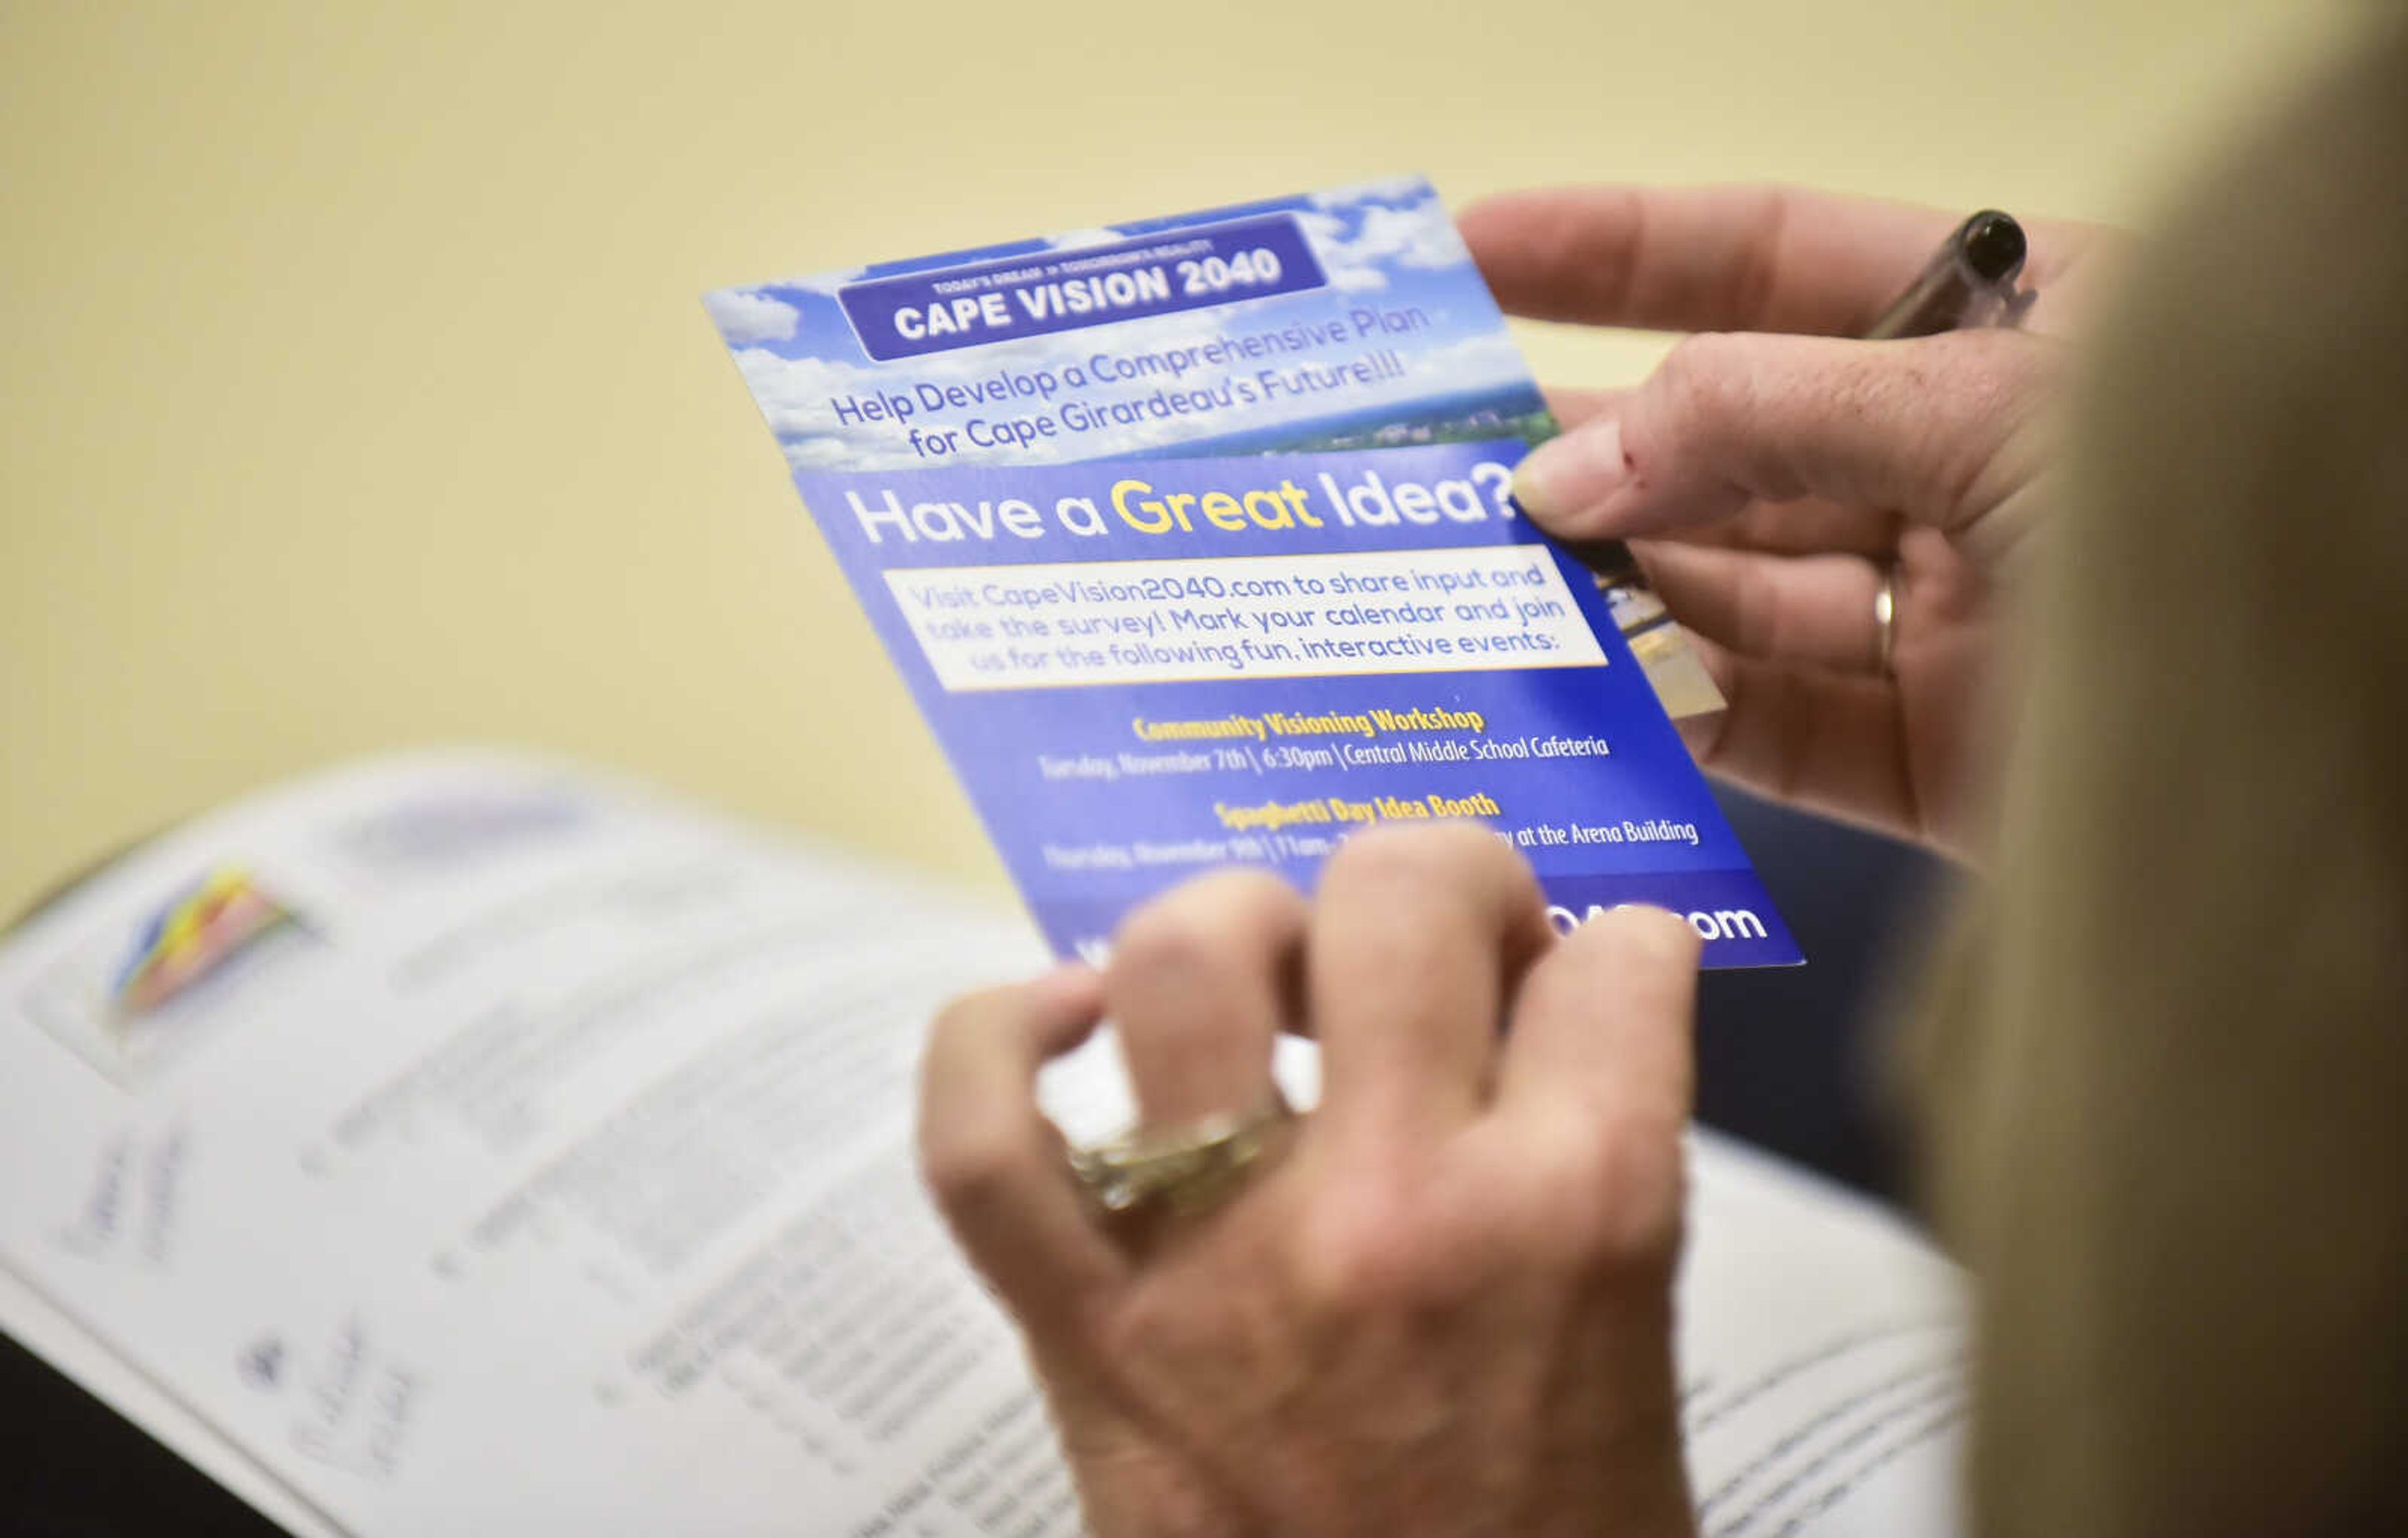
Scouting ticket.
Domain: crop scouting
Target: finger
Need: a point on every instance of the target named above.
(994, 1162)
(1601, 1027)
(1823, 741)
(1810, 525)
(1572, 405)
(1700, 258)
(1419, 935)
(1597, 1083)
(1937, 428)
(1807, 526)
(1816, 610)
(1201, 981)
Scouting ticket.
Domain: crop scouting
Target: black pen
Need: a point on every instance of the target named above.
(1970, 282)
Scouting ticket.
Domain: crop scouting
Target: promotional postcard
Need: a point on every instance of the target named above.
(1194, 539)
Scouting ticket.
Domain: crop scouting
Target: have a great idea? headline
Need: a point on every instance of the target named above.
(1144, 505)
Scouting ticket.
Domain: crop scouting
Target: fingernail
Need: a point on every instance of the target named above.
(1664, 930)
(1570, 474)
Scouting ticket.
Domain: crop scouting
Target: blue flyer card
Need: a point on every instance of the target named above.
(1192, 538)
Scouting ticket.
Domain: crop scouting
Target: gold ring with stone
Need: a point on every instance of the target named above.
(1186, 1168)
(1885, 620)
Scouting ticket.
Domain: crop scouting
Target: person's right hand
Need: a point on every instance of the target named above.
(1783, 471)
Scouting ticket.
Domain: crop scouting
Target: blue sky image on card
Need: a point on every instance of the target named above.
(1397, 288)
(1193, 539)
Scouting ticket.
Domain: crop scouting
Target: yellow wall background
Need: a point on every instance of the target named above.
(358, 395)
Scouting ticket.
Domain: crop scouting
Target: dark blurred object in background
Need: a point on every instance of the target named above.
(1788, 1057)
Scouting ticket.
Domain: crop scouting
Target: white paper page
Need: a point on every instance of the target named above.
(1822, 1352)
(551, 1171)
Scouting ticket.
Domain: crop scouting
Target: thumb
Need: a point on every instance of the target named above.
(1935, 428)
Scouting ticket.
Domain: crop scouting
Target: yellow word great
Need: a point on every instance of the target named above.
(1280, 508)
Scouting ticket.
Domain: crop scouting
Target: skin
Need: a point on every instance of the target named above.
(1445, 1308)
(1771, 470)
(1442, 1302)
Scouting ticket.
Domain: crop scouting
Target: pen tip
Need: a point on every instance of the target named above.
(1994, 245)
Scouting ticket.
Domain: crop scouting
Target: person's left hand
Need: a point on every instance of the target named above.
(1442, 1304)
(1780, 485)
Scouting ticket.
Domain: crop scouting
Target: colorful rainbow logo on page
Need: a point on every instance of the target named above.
(195, 933)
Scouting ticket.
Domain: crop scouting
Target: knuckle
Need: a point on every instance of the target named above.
(2001, 367)
(1162, 938)
(1197, 926)
(1410, 1235)
(1158, 950)
(1383, 859)
(949, 1045)
(1363, 1254)
(1997, 382)
(1605, 1197)
(956, 1020)
(1194, 979)
(1703, 373)
(969, 1161)
(965, 1022)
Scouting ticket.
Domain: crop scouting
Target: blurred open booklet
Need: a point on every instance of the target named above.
(468, 1143)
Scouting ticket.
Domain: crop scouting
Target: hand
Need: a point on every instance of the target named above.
(1444, 1305)
(1785, 475)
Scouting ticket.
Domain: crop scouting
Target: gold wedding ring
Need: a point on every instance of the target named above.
(1885, 620)
(1185, 1169)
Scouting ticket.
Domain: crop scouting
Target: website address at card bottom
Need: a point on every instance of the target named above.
(1717, 924)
